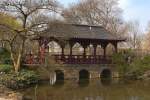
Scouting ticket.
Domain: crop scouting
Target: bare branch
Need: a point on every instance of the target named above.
(27, 12)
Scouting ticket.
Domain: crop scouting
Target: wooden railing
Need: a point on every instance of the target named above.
(80, 59)
(70, 59)
(32, 59)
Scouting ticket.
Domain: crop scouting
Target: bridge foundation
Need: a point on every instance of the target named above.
(95, 71)
(74, 72)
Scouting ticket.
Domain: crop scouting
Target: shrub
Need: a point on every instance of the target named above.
(27, 77)
(139, 66)
(5, 68)
(22, 79)
(135, 69)
(121, 64)
(5, 56)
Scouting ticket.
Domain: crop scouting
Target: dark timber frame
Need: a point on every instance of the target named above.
(86, 35)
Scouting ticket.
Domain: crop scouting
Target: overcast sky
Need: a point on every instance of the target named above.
(133, 10)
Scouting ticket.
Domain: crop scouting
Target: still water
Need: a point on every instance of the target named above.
(90, 90)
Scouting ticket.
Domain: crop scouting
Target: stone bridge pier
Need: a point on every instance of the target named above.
(78, 72)
(75, 72)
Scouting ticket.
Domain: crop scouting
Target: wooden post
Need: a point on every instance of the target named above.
(104, 54)
(71, 46)
(95, 58)
(39, 47)
(116, 47)
(71, 50)
(95, 47)
(42, 54)
(70, 57)
(104, 45)
(62, 53)
(62, 50)
(84, 53)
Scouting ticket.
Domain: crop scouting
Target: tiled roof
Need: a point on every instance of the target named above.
(80, 32)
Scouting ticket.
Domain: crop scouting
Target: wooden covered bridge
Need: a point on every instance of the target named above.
(71, 34)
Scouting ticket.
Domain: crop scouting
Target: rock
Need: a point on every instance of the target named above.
(27, 98)
(7, 94)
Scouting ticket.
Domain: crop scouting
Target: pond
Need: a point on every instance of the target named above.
(96, 89)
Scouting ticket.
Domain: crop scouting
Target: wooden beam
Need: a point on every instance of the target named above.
(104, 54)
(116, 48)
(95, 49)
(104, 46)
(115, 44)
(84, 52)
(71, 46)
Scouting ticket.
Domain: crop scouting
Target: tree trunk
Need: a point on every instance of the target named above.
(18, 64)
(17, 60)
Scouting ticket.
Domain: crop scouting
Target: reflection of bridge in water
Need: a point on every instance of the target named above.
(95, 90)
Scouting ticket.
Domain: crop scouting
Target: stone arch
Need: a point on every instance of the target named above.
(106, 77)
(84, 74)
(106, 73)
(59, 75)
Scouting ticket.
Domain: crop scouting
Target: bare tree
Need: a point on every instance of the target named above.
(147, 38)
(95, 12)
(134, 35)
(28, 13)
